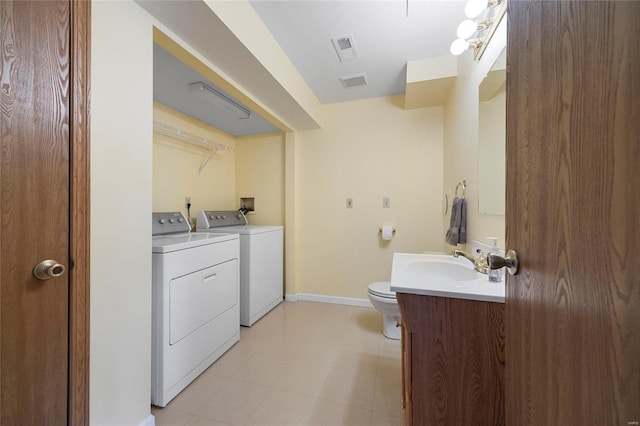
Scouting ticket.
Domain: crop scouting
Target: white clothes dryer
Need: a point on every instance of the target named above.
(261, 261)
(195, 302)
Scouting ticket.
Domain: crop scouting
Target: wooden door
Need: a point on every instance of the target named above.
(573, 213)
(43, 107)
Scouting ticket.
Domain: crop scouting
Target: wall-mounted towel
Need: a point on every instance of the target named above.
(457, 232)
(463, 222)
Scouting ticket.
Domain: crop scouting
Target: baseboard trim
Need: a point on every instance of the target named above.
(352, 301)
(149, 421)
(291, 297)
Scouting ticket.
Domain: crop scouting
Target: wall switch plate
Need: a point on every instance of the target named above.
(349, 203)
(187, 202)
(386, 202)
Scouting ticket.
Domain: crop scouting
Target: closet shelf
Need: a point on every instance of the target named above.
(177, 134)
(186, 137)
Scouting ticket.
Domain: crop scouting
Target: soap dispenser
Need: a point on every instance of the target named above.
(495, 275)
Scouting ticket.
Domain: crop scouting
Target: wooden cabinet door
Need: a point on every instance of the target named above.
(573, 213)
(454, 361)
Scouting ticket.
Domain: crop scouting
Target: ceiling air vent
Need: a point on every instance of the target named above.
(345, 47)
(353, 80)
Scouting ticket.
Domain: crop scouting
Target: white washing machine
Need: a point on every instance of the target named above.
(195, 302)
(261, 261)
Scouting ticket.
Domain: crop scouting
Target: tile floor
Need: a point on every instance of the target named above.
(304, 363)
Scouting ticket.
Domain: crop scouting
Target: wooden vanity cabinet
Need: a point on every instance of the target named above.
(452, 361)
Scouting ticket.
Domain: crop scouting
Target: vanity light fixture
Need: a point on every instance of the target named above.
(469, 27)
(476, 31)
(459, 46)
(475, 8)
(219, 99)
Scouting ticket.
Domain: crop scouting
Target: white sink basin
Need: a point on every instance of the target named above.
(441, 268)
(442, 275)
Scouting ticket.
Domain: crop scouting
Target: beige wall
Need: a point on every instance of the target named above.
(121, 118)
(176, 165)
(366, 150)
(291, 213)
(255, 168)
(461, 140)
(260, 174)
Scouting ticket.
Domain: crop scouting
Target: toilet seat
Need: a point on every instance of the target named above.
(382, 289)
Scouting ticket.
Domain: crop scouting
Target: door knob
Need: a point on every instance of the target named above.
(510, 261)
(48, 269)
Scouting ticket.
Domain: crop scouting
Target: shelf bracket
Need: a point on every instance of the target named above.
(203, 165)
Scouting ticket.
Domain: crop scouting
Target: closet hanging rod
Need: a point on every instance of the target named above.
(180, 135)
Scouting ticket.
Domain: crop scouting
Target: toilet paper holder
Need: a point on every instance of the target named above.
(393, 230)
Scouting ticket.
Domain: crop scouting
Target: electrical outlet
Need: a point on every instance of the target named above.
(349, 203)
(386, 202)
(187, 202)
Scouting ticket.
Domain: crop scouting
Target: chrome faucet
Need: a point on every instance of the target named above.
(479, 263)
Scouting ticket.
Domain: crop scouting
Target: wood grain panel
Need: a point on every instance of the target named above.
(406, 375)
(80, 211)
(573, 213)
(34, 210)
(457, 360)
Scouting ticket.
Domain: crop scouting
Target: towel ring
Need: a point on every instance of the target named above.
(462, 184)
(446, 204)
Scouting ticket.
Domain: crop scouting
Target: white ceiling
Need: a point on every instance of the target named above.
(384, 36)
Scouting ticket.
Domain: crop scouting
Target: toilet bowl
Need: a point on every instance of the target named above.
(384, 300)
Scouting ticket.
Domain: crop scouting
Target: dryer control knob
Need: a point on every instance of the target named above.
(224, 217)
(217, 217)
(172, 220)
(180, 220)
(211, 217)
(161, 221)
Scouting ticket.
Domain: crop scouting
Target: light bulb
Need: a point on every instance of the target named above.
(467, 28)
(459, 46)
(474, 8)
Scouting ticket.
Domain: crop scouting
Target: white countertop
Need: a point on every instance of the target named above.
(444, 276)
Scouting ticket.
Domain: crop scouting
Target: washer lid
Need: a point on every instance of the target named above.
(244, 229)
(382, 289)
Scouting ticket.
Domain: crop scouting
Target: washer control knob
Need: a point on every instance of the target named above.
(211, 217)
(218, 217)
(172, 220)
(224, 217)
(180, 220)
(161, 221)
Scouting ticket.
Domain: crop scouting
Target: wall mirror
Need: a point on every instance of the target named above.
(491, 139)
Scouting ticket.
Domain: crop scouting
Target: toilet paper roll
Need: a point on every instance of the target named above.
(387, 232)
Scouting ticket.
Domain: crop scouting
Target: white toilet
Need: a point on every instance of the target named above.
(384, 300)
